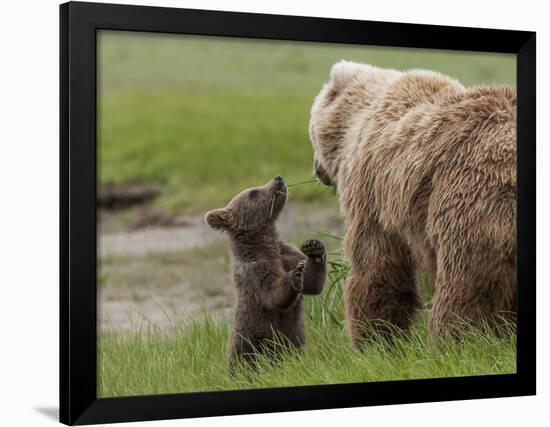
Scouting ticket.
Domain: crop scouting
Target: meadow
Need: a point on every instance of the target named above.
(201, 118)
(194, 357)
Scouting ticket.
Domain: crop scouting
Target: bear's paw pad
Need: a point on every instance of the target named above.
(313, 247)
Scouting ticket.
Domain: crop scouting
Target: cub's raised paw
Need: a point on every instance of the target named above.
(298, 276)
(315, 249)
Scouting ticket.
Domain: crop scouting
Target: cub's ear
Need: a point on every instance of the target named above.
(217, 219)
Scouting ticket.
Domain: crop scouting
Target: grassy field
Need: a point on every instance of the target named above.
(194, 358)
(204, 117)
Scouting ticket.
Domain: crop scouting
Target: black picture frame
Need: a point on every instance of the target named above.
(79, 23)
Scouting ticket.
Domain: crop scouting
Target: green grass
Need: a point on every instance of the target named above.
(206, 117)
(194, 357)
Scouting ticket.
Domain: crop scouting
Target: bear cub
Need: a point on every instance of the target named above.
(271, 276)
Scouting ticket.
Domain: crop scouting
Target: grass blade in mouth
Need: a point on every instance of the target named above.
(303, 182)
(273, 201)
(272, 204)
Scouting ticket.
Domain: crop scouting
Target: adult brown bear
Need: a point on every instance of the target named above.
(426, 175)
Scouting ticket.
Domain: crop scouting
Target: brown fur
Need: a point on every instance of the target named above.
(270, 275)
(426, 174)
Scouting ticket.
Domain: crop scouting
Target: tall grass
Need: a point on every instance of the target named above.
(193, 358)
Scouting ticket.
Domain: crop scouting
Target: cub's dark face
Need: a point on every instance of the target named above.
(252, 209)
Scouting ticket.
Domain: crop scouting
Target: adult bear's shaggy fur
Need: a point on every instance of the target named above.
(426, 174)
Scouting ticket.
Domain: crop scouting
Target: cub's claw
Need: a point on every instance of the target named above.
(298, 276)
(300, 268)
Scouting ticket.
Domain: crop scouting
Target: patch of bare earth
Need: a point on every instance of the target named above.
(157, 271)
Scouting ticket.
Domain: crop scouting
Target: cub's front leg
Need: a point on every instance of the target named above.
(316, 267)
(280, 293)
(291, 256)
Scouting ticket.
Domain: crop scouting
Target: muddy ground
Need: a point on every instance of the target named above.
(157, 271)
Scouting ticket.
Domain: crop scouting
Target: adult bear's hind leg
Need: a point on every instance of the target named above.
(380, 291)
(473, 287)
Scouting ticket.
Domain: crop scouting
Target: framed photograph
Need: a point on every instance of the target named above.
(266, 213)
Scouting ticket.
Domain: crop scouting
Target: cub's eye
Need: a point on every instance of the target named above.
(253, 194)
